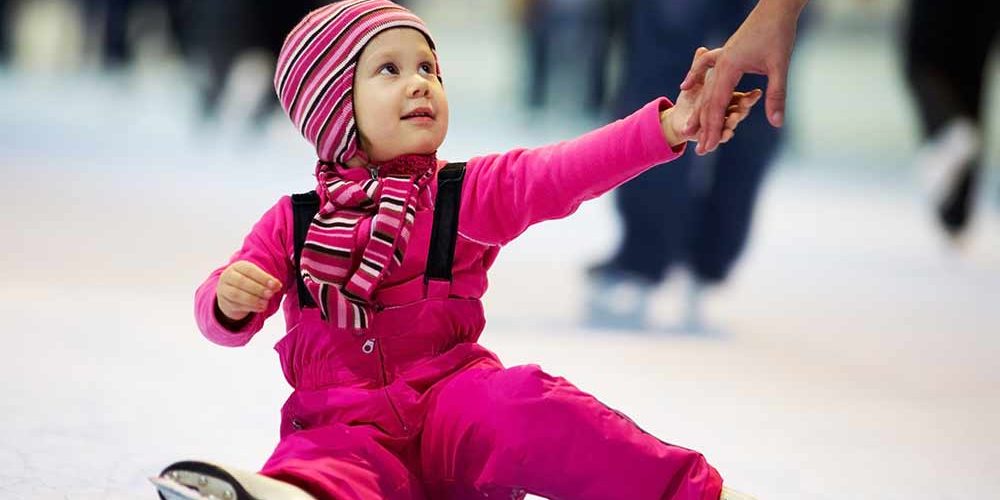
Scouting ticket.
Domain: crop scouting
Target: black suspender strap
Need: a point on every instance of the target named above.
(444, 233)
(304, 209)
(445, 230)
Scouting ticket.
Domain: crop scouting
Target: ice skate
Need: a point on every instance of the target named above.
(693, 320)
(204, 481)
(616, 299)
(730, 494)
(947, 164)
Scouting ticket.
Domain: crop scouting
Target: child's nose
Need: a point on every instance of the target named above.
(418, 86)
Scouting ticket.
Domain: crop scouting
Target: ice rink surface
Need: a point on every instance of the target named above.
(855, 357)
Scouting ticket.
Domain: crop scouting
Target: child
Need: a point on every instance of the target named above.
(393, 397)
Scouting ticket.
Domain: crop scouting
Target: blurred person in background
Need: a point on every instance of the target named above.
(947, 45)
(4, 33)
(5, 29)
(212, 35)
(697, 211)
(111, 18)
(228, 29)
(589, 26)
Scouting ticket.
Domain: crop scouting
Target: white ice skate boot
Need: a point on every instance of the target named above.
(949, 170)
(728, 494)
(939, 160)
(204, 481)
(616, 299)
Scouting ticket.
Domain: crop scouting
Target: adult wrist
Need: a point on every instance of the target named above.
(785, 8)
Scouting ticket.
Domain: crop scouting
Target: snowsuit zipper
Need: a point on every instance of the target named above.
(385, 388)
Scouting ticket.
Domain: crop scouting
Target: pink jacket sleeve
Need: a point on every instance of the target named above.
(269, 247)
(506, 193)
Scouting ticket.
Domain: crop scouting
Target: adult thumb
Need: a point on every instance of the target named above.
(774, 102)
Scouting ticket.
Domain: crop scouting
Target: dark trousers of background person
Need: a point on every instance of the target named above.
(591, 24)
(116, 49)
(696, 210)
(5, 30)
(227, 29)
(947, 44)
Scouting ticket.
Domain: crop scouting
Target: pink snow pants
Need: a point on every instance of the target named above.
(487, 432)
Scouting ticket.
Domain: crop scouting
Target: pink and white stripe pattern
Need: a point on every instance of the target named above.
(341, 282)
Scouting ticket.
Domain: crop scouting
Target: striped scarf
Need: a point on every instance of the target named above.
(339, 279)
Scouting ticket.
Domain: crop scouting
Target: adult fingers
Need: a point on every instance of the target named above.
(717, 93)
(704, 60)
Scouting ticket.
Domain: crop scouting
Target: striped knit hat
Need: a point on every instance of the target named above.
(315, 75)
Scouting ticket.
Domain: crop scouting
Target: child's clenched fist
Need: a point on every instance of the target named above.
(243, 289)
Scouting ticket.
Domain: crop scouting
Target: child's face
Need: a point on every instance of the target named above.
(399, 103)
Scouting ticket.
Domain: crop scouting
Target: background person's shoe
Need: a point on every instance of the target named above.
(616, 299)
(955, 210)
(948, 165)
(693, 319)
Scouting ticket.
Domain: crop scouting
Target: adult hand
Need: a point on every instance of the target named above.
(674, 120)
(762, 45)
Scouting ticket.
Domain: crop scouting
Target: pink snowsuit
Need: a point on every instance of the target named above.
(416, 408)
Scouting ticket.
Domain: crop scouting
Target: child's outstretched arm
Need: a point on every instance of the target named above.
(506, 193)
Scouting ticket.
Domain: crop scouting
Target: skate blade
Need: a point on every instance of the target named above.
(172, 490)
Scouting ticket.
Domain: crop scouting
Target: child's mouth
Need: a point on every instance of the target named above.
(420, 115)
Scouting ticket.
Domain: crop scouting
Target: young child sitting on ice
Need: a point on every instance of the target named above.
(382, 269)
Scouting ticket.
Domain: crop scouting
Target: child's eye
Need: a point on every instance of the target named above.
(389, 69)
(427, 68)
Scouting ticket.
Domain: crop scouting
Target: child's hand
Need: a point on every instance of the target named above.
(675, 119)
(243, 289)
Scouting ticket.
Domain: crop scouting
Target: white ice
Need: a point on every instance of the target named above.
(858, 354)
